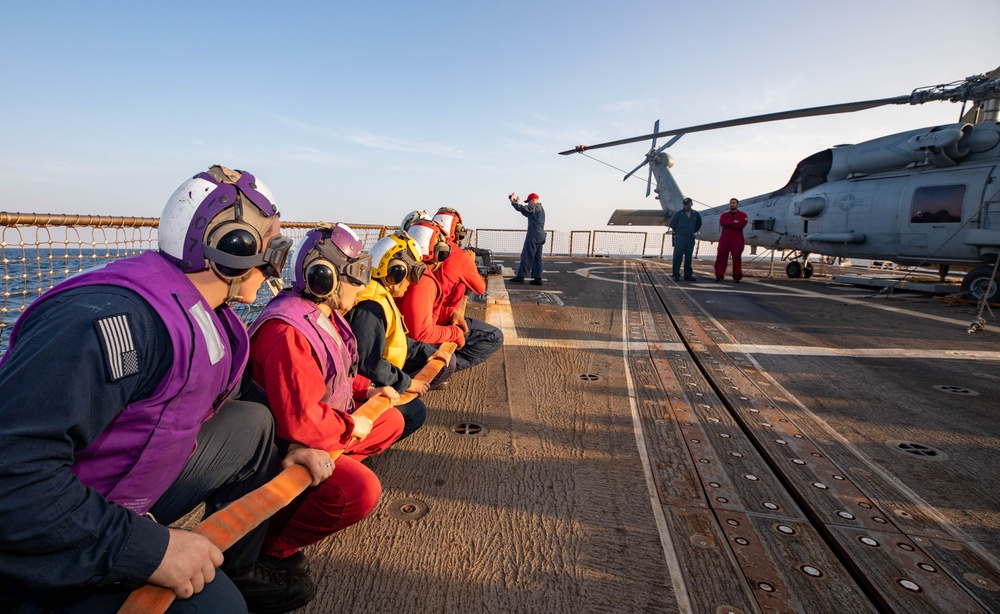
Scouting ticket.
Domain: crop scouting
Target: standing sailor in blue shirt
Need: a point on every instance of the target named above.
(531, 253)
(685, 225)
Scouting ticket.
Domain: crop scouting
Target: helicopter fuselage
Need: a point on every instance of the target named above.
(921, 197)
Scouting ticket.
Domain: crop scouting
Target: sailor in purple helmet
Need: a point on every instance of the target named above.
(303, 359)
(116, 418)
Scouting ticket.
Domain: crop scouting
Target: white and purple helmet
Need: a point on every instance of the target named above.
(325, 257)
(218, 219)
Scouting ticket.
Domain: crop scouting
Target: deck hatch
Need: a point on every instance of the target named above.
(920, 450)
(468, 428)
(408, 509)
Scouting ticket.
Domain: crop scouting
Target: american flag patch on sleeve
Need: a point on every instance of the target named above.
(120, 354)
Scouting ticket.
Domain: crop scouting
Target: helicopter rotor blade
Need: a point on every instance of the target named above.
(756, 119)
(976, 88)
(670, 142)
(632, 172)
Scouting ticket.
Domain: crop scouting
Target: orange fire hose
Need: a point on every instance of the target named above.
(225, 527)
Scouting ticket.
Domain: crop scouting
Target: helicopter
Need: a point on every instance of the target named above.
(924, 197)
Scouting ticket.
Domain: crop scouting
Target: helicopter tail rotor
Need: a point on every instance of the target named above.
(651, 156)
(649, 177)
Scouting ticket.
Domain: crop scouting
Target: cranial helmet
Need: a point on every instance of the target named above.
(414, 216)
(396, 257)
(430, 240)
(451, 221)
(327, 256)
(218, 220)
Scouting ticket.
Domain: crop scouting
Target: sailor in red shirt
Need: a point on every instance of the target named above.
(731, 242)
(303, 358)
(422, 301)
(457, 274)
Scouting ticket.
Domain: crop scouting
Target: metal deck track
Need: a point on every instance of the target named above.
(768, 510)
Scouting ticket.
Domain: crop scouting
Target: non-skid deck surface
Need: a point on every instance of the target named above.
(528, 489)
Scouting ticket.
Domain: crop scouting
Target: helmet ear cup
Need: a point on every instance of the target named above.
(396, 272)
(321, 279)
(441, 251)
(237, 239)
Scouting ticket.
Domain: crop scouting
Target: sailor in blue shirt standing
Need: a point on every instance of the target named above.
(531, 253)
(685, 225)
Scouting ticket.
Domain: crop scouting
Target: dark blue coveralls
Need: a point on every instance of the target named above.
(684, 227)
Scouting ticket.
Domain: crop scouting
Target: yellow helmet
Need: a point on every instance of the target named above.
(396, 257)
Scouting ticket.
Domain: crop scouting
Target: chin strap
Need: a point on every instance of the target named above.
(234, 287)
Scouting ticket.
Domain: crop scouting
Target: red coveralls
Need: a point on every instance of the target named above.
(282, 362)
(730, 242)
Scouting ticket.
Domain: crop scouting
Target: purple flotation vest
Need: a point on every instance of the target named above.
(142, 451)
(332, 342)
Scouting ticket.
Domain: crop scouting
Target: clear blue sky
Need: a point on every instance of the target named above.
(361, 112)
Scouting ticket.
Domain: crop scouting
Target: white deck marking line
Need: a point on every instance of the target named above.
(587, 344)
(498, 311)
(851, 301)
(799, 350)
(669, 551)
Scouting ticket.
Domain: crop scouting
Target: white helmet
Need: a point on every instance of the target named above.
(414, 216)
(218, 220)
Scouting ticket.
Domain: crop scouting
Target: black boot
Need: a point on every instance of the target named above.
(272, 591)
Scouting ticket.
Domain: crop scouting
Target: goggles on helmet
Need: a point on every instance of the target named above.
(270, 262)
(357, 271)
(275, 255)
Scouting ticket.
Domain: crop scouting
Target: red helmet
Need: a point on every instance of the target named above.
(531, 197)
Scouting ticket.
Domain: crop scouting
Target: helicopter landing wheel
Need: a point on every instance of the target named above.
(977, 282)
(807, 270)
(794, 269)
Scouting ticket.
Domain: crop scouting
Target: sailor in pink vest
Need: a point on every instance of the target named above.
(116, 417)
(303, 359)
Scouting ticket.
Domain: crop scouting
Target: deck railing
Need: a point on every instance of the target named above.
(38, 251)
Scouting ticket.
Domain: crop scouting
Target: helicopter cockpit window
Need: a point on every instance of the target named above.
(939, 204)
